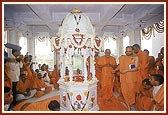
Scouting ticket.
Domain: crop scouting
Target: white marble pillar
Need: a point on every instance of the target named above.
(70, 72)
(137, 37)
(13, 38)
(61, 65)
(92, 67)
(31, 47)
(85, 64)
(120, 47)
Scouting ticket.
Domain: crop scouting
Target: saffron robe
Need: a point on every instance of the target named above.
(22, 86)
(36, 106)
(7, 74)
(143, 100)
(26, 67)
(159, 99)
(40, 84)
(144, 67)
(107, 76)
(128, 80)
(55, 77)
(97, 72)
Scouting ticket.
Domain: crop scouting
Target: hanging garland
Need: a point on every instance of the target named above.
(98, 44)
(147, 32)
(76, 43)
(56, 42)
(42, 39)
(159, 27)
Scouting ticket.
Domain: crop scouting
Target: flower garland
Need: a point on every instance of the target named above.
(78, 44)
(56, 42)
(147, 32)
(98, 44)
(42, 38)
(159, 27)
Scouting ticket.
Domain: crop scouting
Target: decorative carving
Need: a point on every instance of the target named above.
(75, 10)
(76, 43)
(77, 20)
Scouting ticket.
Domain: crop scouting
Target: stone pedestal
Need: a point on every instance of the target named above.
(78, 96)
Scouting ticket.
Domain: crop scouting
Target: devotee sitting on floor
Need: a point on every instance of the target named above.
(40, 85)
(42, 105)
(23, 90)
(8, 98)
(143, 98)
(158, 62)
(54, 105)
(44, 73)
(48, 72)
(26, 68)
(55, 77)
(157, 81)
(152, 67)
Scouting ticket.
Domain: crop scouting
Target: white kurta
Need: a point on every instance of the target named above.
(15, 68)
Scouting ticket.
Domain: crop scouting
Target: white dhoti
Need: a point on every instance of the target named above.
(20, 97)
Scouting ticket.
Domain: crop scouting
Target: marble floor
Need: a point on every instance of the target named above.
(113, 105)
(50, 94)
